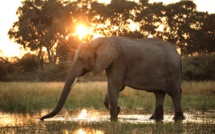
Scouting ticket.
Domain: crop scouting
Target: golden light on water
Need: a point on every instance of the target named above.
(29, 121)
(88, 131)
(81, 131)
(84, 131)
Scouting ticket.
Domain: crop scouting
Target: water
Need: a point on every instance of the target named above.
(87, 121)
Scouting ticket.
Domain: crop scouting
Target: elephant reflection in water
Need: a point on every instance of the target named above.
(146, 64)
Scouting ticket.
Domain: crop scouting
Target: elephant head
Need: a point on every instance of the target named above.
(95, 56)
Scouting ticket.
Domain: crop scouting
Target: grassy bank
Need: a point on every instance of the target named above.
(31, 96)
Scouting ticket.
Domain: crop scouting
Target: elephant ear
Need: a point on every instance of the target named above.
(106, 52)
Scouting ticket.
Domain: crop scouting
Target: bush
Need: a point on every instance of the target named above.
(201, 67)
(56, 72)
(28, 62)
(4, 72)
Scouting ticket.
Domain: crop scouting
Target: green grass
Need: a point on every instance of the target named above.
(32, 96)
(25, 96)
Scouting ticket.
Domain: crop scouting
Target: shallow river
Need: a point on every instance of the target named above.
(9, 122)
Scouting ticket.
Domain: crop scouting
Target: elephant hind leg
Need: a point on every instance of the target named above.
(158, 113)
(176, 98)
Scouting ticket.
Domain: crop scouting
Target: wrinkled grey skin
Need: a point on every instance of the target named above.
(148, 64)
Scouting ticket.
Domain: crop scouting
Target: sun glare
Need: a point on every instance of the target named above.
(81, 31)
(104, 1)
(83, 114)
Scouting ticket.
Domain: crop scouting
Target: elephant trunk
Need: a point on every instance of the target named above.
(67, 88)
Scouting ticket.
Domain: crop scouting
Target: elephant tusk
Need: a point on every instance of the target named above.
(73, 83)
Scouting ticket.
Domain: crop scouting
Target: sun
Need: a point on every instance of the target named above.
(81, 31)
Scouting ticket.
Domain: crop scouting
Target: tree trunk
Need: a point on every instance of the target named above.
(49, 55)
(41, 73)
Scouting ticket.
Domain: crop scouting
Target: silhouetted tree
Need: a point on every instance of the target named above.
(202, 36)
(43, 24)
(177, 27)
(113, 18)
(52, 24)
(149, 16)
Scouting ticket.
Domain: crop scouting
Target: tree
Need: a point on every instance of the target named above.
(113, 18)
(149, 16)
(64, 51)
(177, 26)
(43, 24)
(209, 30)
(195, 35)
(202, 37)
(51, 24)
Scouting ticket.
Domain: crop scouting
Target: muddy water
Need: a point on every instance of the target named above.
(10, 122)
(96, 116)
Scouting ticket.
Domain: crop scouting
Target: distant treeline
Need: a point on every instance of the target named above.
(198, 68)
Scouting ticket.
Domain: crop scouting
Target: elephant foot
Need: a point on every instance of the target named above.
(157, 118)
(158, 114)
(114, 113)
(113, 119)
(178, 116)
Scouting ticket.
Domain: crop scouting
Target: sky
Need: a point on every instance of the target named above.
(8, 16)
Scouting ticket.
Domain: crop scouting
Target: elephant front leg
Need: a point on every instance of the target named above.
(114, 112)
(106, 101)
(113, 104)
(115, 77)
(114, 109)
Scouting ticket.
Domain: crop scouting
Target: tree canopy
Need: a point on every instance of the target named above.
(51, 24)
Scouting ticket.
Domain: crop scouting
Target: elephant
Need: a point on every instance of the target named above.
(149, 64)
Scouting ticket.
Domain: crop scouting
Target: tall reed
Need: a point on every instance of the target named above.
(31, 96)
